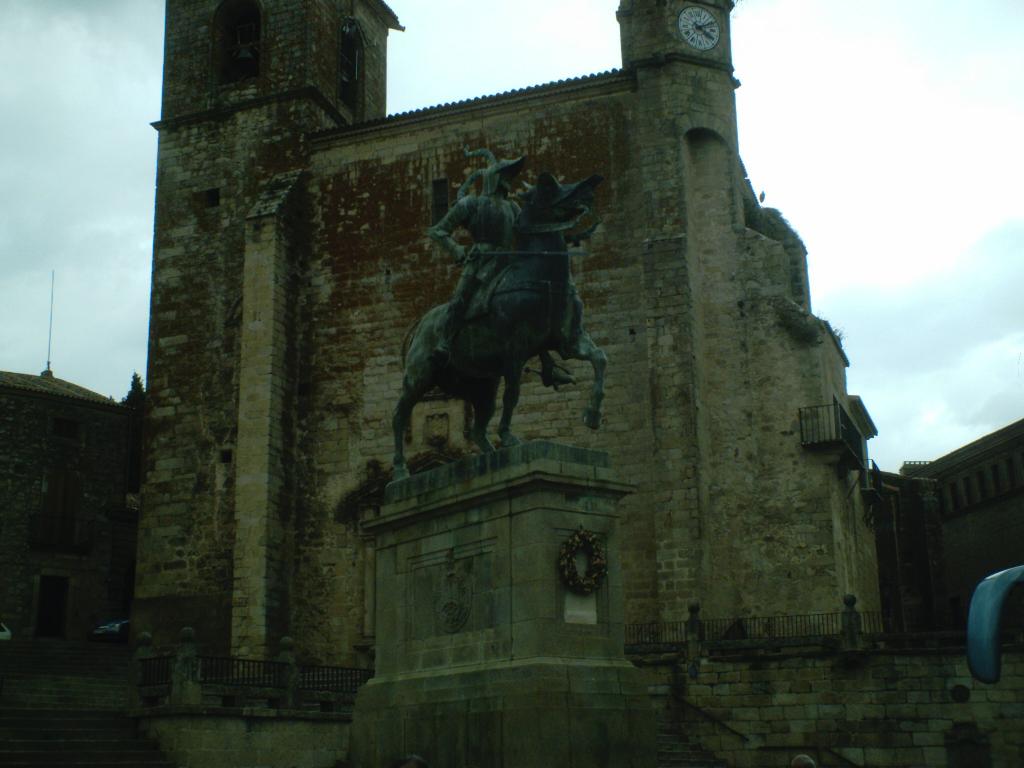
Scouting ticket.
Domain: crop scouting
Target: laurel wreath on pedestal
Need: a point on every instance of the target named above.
(597, 564)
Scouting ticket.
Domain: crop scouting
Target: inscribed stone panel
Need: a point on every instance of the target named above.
(451, 590)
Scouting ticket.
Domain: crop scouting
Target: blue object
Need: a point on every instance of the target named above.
(984, 622)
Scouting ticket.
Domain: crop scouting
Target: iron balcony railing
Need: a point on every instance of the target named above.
(155, 671)
(225, 670)
(827, 426)
(750, 628)
(656, 633)
(336, 679)
(230, 671)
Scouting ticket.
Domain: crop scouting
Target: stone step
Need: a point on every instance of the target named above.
(101, 742)
(65, 691)
(677, 748)
(43, 701)
(74, 737)
(52, 724)
(126, 734)
(53, 682)
(84, 667)
(63, 715)
(59, 757)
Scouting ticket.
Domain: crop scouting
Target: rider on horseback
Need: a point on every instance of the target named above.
(490, 219)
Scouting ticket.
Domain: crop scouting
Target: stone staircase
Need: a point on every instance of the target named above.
(42, 738)
(63, 704)
(58, 674)
(677, 749)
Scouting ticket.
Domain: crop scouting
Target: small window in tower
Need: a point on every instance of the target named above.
(350, 64)
(238, 43)
(439, 200)
(212, 197)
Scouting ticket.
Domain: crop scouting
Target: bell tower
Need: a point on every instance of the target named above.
(245, 83)
(693, 30)
(684, 134)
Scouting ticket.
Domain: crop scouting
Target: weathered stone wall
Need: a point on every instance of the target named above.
(708, 431)
(32, 457)
(214, 739)
(223, 149)
(187, 526)
(881, 708)
(986, 540)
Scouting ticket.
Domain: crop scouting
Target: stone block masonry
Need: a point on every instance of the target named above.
(217, 739)
(485, 656)
(67, 535)
(875, 708)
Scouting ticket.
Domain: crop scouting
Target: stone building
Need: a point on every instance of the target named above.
(911, 567)
(976, 493)
(290, 261)
(67, 523)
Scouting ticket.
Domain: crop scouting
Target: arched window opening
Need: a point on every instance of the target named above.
(350, 62)
(238, 45)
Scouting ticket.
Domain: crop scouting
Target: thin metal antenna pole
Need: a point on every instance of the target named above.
(49, 335)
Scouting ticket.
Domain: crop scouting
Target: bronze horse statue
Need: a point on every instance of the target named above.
(529, 309)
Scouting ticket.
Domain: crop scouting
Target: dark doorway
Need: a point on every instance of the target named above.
(53, 606)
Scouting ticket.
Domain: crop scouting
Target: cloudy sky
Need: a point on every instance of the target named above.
(888, 133)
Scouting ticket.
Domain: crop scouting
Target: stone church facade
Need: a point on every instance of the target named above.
(290, 262)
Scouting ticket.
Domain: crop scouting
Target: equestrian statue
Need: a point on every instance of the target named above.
(515, 300)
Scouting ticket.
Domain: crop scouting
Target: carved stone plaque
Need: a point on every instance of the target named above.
(455, 597)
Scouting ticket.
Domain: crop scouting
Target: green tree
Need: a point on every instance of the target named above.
(135, 401)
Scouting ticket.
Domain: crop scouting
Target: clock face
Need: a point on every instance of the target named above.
(699, 28)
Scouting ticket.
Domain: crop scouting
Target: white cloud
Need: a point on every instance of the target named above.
(888, 133)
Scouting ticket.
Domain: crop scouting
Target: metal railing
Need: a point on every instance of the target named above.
(825, 425)
(155, 671)
(768, 627)
(791, 627)
(337, 679)
(226, 670)
(654, 633)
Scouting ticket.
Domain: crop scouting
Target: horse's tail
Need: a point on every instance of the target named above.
(407, 340)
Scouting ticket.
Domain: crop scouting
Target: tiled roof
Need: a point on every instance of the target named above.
(974, 451)
(440, 108)
(48, 384)
(512, 92)
(395, 23)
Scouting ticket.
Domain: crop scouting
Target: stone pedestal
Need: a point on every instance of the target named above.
(484, 657)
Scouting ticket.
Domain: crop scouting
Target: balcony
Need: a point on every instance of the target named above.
(871, 484)
(829, 429)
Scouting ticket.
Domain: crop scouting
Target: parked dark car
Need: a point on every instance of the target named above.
(113, 631)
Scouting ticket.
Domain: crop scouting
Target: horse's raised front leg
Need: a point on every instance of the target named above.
(586, 349)
(513, 377)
